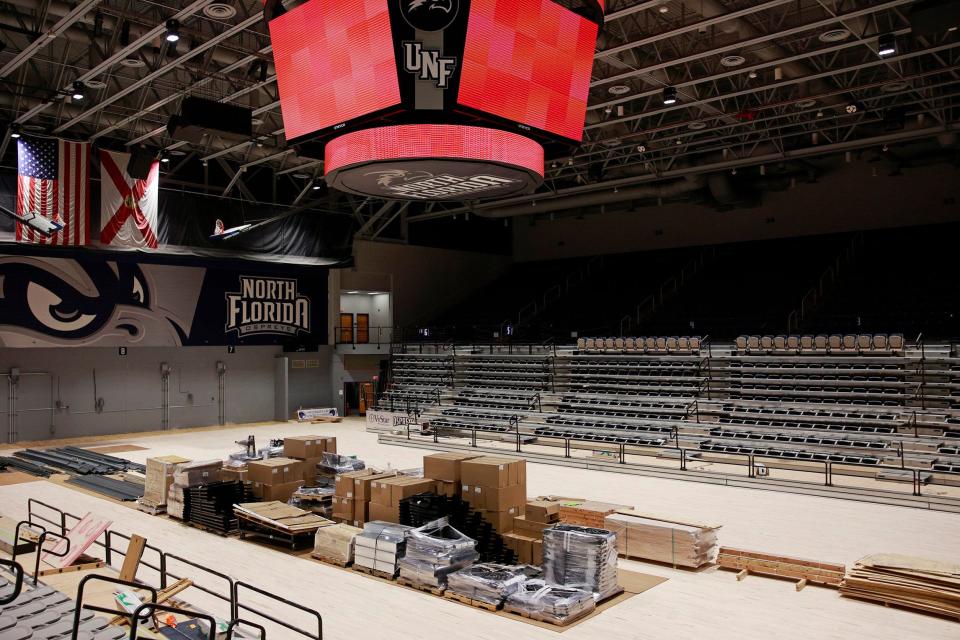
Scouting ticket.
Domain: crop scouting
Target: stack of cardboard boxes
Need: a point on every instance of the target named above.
(158, 479)
(445, 469)
(351, 496)
(309, 451)
(526, 539)
(275, 478)
(386, 494)
(496, 487)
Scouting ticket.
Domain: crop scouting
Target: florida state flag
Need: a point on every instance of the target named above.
(128, 206)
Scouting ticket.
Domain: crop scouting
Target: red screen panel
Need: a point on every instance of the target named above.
(334, 62)
(529, 61)
(458, 142)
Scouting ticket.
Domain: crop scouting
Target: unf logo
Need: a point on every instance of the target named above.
(429, 15)
(428, 64)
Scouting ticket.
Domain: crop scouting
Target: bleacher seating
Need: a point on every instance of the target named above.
(864, 400)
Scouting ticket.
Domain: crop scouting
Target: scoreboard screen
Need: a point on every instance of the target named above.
(335, 62)
(529, 61)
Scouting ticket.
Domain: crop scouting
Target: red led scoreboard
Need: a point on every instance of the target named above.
(434, 99)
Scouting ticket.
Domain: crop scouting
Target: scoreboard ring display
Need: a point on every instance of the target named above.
(501, 83)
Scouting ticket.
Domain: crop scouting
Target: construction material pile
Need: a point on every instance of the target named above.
(487, 582)
(335, 543)
(557, 605)
(906, 581)
(685, 544)
(434, 551)
(333, 464)
(211, 505)
(380, 546)
(186, 476)
(581, 558)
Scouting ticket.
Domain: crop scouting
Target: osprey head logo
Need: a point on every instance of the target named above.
(429, 15)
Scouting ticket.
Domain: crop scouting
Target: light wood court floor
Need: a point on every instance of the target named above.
(709, 604)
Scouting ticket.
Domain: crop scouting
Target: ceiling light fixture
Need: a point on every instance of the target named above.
(14, 130)
(608, 110)
(669, 95)
(886, 45)
(851, 108)
(173, 30)
(752, 75)
(77, 90)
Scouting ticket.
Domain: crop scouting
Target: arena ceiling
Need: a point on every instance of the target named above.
(759, 84)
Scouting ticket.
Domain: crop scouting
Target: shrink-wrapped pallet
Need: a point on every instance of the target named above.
(434, 551)
(671, 542)
(581, 558)
(487, 582)
(336, 542)
(550, 603)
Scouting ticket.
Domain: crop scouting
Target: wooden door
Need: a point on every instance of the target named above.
(346, 328)
(363, 328)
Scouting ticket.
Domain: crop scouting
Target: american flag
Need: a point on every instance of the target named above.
(54, 182)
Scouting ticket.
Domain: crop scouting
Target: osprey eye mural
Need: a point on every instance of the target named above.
(429, 15)
(93, 301)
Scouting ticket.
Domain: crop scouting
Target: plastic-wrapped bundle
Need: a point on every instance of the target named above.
(487, 582)
(336, 542)
(581, 558)
(551, 603)
(332, 464)
(434, 551)
(380, 546)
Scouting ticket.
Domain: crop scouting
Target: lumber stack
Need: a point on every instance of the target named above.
(281, 516)
(587, 513)
(800, 569)
(906, 581)
(675, 542)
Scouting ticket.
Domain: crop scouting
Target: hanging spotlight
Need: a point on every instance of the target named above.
(14, 130)
(164, 158)
(173, 30)
(77, 90)
(886, 45)
(669, 95)
(641, 148)
(608, 110)
(752, 75)
(317, 186)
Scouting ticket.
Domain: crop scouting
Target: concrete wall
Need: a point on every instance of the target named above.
(423, 280)
(847, 199)
(309, 379)
(130, 388)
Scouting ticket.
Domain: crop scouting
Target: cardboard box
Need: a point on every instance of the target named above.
(445, 466)
(521, 545)
(383, 512)
(275, 470)
(448, 489)
(525, 526)
(343, 508)
(537, 555)
(361, 485)
(360, 512)
(502, 521)
(194, 473)
(344, 483)
(301, 447)
(493, 472)
(495, 499)
(543, 511)
(159, 477)
(234, 473)
(309, 468)
(327, 444)
(390, 491)
(281, 492)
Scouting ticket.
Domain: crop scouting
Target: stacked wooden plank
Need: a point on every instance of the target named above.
(588, 513)
(906, 581)
(675, 542)
(800, 569)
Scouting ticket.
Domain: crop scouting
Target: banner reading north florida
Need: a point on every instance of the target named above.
(128, 206)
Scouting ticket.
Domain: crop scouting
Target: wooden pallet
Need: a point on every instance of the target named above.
(334, 561)
(426, 588)
(203, 527)
(804, 571)
(479, 604)
(372, 572)
(541, 618)
(154, 510)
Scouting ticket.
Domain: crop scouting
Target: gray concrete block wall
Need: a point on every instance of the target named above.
(131, 389)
